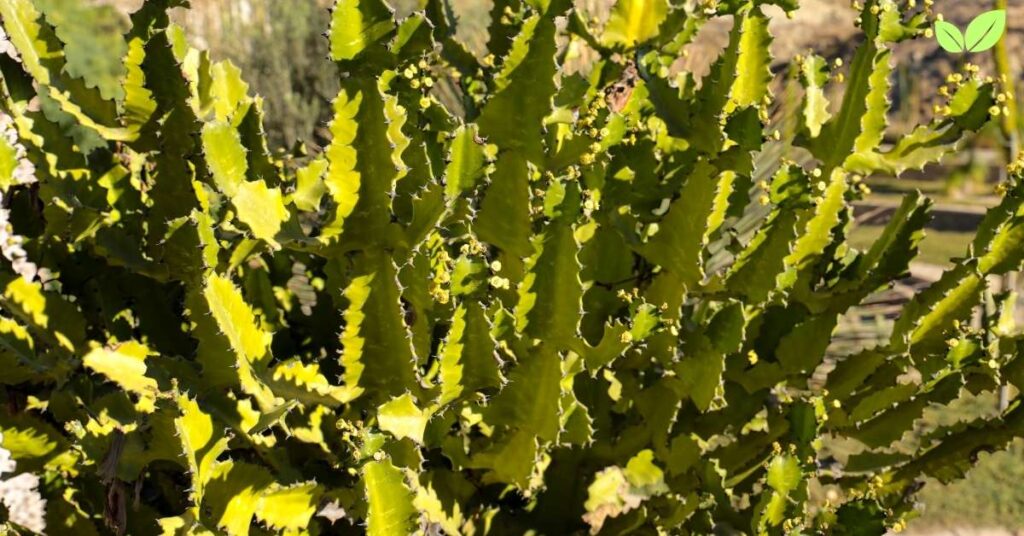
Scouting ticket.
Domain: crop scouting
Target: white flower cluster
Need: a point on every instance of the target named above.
(11, 245)
(20, 495)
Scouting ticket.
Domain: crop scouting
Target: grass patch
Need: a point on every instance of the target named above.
(990, 496)
(892, 185)
(941, 191)
(937, 247)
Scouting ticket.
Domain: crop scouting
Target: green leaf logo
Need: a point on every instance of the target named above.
(949, 36)
(982, 33)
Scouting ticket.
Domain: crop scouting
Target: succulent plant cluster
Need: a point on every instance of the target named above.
(507, 298)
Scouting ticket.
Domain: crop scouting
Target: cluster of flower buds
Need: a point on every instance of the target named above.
(419, 77)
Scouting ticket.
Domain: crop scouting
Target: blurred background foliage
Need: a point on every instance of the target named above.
(278, 46)
(93, 30)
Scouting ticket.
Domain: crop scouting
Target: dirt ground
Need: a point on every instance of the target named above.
(965, 532)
